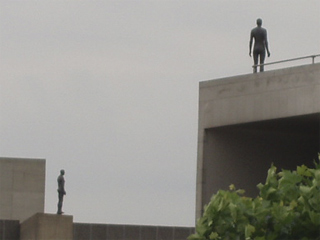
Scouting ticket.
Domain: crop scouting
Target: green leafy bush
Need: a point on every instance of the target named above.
(288, 207)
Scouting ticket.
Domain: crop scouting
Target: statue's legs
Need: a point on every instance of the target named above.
(60, 203)
(259, 53)
(255, 60)
(262, 57)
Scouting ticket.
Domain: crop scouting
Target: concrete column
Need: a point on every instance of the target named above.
(43, 226)
(22, 187)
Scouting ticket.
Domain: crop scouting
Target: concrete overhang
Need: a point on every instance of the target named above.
(248, 122)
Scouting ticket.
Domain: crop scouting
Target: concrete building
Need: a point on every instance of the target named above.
(248, 122)
(245, 123)
(22, 217)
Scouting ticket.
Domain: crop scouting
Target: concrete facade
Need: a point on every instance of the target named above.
(22, 187)
(247, 122)
(43, 226)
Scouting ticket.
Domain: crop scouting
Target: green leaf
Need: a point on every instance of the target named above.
(304, 171)
(317, 175)
(293, 204)
(214, 235)
(195, 237)
(305, 190)
(289, 177)
(232, 187)
(260, 185)
(201, 229)
(315, 202)
(272, 177)
(270, 191)
(240, 191)
(249, 230)
(315, 218)
(233, 211)
(222, 205)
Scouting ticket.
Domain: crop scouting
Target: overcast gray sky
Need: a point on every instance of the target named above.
(108, 90)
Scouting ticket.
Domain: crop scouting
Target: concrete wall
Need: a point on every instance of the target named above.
(9, 230)
(247, 122)
(84, 231)
(22, 187)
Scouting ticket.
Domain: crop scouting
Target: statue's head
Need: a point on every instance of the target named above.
(259, 21)
(62, 172)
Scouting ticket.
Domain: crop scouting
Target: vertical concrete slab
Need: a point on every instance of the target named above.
(22, 187)
(82, 231)
(165, 233)
(47, 227)
(148, 232)
(98, 232)
(181, 233)
(115, 232)
(131, 232)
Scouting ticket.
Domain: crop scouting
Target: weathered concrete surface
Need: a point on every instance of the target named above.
(22, 187)
(247, 122)
(43, 226)
(87, 231)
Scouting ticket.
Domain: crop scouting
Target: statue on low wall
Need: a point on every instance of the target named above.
(259, 35)
(61, 191)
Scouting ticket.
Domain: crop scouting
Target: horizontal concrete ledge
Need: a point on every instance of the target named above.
(259, 76)
(22, 159)
(255, 97)
(260, 83)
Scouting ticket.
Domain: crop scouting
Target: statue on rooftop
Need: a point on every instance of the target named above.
(61, 191)
(259, 35)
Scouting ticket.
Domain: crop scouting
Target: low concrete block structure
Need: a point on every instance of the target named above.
(22, 187)
(248, 122)
(43, 226)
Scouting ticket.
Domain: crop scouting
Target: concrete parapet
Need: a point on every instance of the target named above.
(263, 96)
(43, 226)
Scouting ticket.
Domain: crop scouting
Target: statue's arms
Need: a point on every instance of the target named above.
(250, 43)
(266, 44)
(61, 185)
(64, 191)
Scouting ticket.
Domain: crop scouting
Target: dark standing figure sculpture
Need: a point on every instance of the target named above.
(259, 35)
(61, 191)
